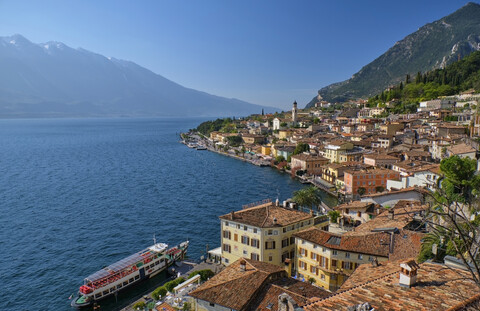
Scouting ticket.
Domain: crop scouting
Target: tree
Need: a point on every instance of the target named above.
(300, 148)
(311, 280)
(308, 197)
(361, 191)
(334, 215)
(379, 189)
(454, 217)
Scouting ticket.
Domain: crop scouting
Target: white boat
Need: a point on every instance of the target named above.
(128, 271)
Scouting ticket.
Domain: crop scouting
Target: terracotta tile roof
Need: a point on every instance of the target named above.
(461, 149)
(402, 244)
(264, 216)
(437, 288)
(233, 288)
(164, 307)
(377, 156)
(354, 205)
(255, 288)
(300, 292)
(309, 157)
(417, 189)
(403, 214)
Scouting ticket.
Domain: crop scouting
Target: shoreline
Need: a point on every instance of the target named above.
(200, 140)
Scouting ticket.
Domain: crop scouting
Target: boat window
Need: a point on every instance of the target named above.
(119, 286)
(151, 266)
(163, 259)
(105, 292)
(112, 289)
(156, 263)
(98, 295)
(125, 283)
(131, 280)
(137, 277)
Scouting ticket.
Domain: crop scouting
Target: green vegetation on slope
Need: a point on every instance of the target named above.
(432, 46)
(456, 77)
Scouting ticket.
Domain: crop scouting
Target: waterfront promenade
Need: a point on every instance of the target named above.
(183, 269)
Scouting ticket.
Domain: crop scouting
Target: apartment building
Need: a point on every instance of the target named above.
(263, 231)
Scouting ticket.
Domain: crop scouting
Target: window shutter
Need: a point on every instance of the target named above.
(326, 264)
(343, 265)
(273, 245)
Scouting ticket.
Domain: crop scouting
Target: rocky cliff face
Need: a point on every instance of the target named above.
(432, 46)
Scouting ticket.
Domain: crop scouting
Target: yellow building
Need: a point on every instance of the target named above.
(285, 134)
(264, 232)
(330, 258)
(335, 149)
(266, 150)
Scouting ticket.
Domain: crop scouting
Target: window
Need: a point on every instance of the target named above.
(292, 240)
(285, 242)
(347, 255)
(360, 256)
(323, 249)
(313, 269)
(137, 277)
(130, 280)
(245, 240)
(270, 245)
(302, 265)
(255, 243)
(323, 262)
(125, 283)
(112, 289)
(105, 292)
(322, 276)
(303, 252)
(226, 224)
(313, 256)
(254, 256)
(334, 252)
(270, 258)
(254, 230)
(334, 264)
(238, 226)
(227, 248)
(346, 265)
(245, 228)
(235, 237)
(245, 252)
(212, 304)
(275, 232)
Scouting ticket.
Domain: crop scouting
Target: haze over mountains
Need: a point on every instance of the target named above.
(54, 80)
(431, 46)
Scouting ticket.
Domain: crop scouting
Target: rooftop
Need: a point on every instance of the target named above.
(437, 288)
(266, 216)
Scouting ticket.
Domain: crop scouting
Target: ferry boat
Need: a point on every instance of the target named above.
(127, 272)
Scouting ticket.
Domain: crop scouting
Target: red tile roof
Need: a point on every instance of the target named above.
(267, 216)
(437, 288)
(255, 288)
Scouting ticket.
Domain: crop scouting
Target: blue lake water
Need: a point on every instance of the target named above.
(79, 194)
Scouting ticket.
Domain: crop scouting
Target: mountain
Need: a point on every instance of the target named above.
(432, 46)
(52, 79)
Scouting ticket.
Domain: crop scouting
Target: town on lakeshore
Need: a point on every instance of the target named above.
(403, 236)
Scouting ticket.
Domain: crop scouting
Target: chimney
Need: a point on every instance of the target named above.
(408, 273)
(277, 203)
(232, 214)
(375, 262)
(274, 221)
(243, 265)
(391, 214)
(286, 303)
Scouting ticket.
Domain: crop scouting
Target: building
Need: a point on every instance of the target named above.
(266, 150)
(404, 285)
(336, 148)
(294, 113)
(380, 160)
(357, 212)
(253, 139)
(392, 128)
(263, 232)
(462, 150)
(422, 175)
(371, 180)
(331, 258)
(311, 164)
(252, 285)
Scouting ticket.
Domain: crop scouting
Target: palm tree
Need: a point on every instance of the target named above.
(308, 197)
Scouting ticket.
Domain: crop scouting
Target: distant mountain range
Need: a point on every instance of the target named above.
(54, 80)
(432, 46)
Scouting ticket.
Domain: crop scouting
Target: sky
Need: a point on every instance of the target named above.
(262, 51)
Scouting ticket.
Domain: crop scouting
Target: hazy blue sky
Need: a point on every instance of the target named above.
(264, 52)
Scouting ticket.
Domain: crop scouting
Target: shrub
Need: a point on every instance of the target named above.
(139, 305)
(159, 292)
(171, 285)
(204, 274)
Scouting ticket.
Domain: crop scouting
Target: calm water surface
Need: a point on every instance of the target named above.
(79, 194)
